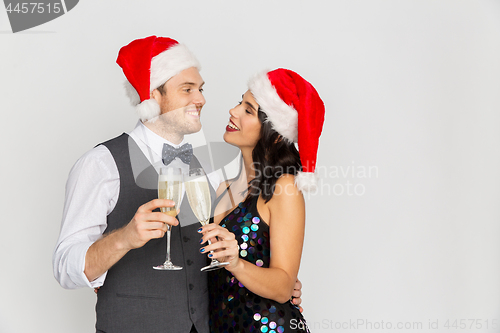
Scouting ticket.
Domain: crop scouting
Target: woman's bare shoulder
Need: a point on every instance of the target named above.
(286, 193)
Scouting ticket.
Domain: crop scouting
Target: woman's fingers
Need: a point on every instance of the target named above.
(226, 255)
(213, 233)
(224, 245)
(224, 248)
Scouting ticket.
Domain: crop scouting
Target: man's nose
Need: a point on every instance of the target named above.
(199, 99)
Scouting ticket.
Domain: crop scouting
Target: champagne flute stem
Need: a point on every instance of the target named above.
(212, 251)
(210, 243)
(168, 244)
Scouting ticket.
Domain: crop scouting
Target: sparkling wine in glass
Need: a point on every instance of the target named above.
(198, 193)
(169, 187)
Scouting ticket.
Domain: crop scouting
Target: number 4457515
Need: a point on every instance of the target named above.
(471, 324)
(34, 7)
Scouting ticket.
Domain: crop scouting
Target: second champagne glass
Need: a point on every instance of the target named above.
(198, 194)
(169, 187)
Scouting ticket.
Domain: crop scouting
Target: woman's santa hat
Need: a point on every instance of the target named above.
(295, 111)
(148, 63)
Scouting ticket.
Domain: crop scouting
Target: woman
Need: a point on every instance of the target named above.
(252, 293)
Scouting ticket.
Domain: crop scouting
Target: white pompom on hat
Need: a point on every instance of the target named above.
(296, 111)
(148, 63)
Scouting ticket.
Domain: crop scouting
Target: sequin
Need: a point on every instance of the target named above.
(272, 309)
(272, 325)
(259, 263)
(244, 246)
(280, 329)
(264, 329)
(246, 230)
(256, 317)
(245, 238)
(253, 235)
(255, 220)
(239, 219)
(243, 253)
(264, 320)
(230, 298)
(254, 227)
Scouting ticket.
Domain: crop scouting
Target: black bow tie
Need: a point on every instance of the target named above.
(184, 152)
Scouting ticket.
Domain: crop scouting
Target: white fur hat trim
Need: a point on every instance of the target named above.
(170, 63)
(282, 116)
(306, 181)
(148, 110)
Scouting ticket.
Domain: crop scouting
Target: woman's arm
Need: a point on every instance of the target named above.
(287, 221)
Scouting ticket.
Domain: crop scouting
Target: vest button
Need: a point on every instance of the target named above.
(191, 286)
(185, 239)
(189, 262)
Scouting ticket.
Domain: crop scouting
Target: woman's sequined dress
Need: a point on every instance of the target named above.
(233, 308)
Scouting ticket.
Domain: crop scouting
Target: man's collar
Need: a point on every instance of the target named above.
(151, 139)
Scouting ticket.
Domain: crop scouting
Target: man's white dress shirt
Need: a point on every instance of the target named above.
(92, 191)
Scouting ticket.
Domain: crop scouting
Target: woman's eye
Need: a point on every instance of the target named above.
(248, 111)
(201, 90)
(187, 90)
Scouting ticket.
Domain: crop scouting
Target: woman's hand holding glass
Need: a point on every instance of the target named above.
(198, 193)
(223, 244)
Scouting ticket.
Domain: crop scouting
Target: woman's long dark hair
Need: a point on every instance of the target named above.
(273, 156)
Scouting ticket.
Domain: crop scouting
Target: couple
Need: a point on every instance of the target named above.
(112, 234)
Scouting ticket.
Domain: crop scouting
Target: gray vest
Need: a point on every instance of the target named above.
(135, 298)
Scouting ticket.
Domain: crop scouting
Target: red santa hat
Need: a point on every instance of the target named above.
(148, 63)
(296, 111)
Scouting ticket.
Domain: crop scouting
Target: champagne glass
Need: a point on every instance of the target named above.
(169, 187)
(198, 194)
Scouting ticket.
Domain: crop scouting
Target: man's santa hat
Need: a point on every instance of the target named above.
(296, 111)
(148, 63)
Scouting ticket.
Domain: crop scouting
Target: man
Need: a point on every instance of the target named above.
(111, 236)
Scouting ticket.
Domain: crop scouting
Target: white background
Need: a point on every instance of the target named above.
(411, 89)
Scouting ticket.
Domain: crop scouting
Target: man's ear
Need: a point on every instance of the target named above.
(156, 95)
